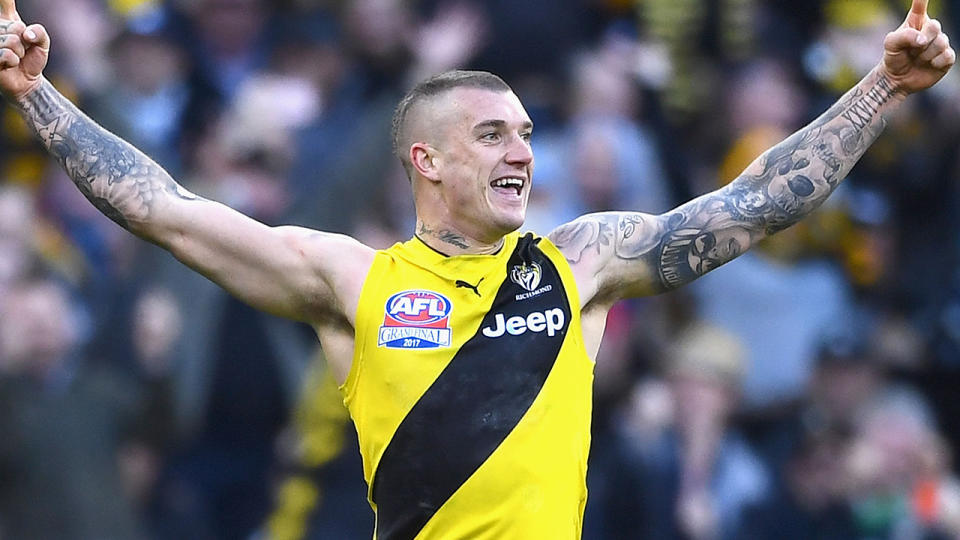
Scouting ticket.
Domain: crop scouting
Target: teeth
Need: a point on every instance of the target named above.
(508, 182)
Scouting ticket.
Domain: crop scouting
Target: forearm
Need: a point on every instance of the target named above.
(276, 269)
(123, 183)
(637, 254)
(619, 254)
(780, 188)
(793, 178)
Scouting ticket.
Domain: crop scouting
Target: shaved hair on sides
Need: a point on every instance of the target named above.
(433, 87)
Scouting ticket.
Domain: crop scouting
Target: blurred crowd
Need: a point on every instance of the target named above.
(804, 391)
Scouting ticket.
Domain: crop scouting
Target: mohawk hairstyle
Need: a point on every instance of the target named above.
(432, 87)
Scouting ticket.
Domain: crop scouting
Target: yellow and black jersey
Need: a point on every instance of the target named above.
(471, 393)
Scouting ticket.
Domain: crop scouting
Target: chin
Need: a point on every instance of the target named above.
(509, 225)
(499, 222)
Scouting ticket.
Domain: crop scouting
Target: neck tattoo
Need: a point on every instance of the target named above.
(444, 235)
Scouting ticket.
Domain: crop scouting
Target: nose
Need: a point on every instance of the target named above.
(520, 152)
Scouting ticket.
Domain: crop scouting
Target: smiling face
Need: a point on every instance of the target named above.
(476, 162)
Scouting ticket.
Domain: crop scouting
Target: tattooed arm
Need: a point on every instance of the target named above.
(649, 254)
(287, 271)
(278, 269)
(621, 254)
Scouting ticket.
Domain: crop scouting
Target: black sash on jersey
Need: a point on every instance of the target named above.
(473, 405)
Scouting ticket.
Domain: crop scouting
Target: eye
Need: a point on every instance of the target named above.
(493, 136)
(526, 136)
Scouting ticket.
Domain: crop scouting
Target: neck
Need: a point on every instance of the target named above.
(451, 242)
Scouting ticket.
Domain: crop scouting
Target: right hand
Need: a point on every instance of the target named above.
(23, 53)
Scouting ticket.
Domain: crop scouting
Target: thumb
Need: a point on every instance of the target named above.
(38, 50)
(8, 10)
(918, 14)
(36, 34)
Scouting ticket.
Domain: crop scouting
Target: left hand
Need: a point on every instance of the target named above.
(917, 54)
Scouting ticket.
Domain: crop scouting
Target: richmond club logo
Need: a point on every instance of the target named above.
(416, 319)
(526, 275)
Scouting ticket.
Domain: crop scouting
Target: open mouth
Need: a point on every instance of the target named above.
(508, 184)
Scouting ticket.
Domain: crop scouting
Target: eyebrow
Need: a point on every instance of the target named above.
(500, 124)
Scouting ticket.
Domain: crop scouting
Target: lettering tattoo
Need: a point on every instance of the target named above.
(444, 235)
(649, 254)
(119, 180)
(866, 107)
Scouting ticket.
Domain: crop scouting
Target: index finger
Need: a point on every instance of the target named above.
(8, 10)
(918, 13)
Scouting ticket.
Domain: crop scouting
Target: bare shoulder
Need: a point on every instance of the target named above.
(326, 243)
(597, 246)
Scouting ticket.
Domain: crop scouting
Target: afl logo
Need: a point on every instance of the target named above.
(416, 319)
(418, 308)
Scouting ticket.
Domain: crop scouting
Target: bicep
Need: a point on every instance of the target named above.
(611, 254)
(619, 255)
(281, 270)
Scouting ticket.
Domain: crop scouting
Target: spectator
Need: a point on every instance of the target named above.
(687, 474)
(896, 466)
(218, 484)
(149, 98)
(789, 270)
(68, 425)
(603, 157)
(320, 496)
(331, 73)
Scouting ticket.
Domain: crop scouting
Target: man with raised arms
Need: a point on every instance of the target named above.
(466, 353)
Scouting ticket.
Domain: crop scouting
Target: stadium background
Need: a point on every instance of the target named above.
(804, 391)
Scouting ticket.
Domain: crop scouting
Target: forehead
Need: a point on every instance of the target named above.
(467, 107)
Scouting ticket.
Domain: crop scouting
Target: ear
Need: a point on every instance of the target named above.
(425, 160)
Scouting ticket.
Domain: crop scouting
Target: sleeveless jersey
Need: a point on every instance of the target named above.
(471, 393)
